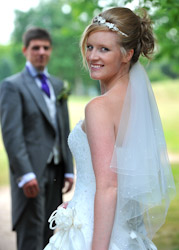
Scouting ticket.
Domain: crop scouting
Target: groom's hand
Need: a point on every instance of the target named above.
(31, 189)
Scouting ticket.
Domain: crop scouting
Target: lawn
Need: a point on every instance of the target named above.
(167, 96)
(167, 238)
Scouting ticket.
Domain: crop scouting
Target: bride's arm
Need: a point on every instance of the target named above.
(100, 132)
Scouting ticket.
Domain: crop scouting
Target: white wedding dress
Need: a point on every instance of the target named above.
(75, 224)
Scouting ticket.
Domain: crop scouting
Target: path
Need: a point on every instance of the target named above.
(7, 237)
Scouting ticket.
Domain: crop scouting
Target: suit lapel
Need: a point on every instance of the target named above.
(36, 95)
(57, 86)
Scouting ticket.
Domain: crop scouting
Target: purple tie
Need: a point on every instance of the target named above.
(44, 86)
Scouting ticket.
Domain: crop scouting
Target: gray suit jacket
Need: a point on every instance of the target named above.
(28, 132)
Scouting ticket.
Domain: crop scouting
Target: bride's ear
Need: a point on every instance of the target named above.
(128, 55)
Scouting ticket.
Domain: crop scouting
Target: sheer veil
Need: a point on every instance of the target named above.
(145, 180)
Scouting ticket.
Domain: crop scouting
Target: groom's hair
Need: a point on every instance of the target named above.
(35, 33)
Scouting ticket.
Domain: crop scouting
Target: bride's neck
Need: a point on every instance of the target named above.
(107, 86)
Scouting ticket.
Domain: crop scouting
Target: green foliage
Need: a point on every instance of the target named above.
(164, 15)
(166, 93)
(6, 64)
(166, 21)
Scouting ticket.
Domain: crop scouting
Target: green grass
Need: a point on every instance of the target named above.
(167, 96)
(76, 108)
(4, 180)
(167, 238)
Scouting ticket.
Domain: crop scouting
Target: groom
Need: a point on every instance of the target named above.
(35, 128)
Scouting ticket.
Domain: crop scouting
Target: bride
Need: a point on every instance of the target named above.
(124, 181)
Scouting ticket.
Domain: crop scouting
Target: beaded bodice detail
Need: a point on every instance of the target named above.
(83, 198)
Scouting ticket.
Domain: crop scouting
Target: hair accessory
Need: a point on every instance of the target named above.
(111, 26)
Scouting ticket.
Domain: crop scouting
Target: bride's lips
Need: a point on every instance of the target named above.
(96, 66)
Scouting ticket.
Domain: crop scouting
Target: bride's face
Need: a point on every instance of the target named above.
(103, 56)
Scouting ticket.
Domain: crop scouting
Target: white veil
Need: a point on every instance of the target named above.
(145, 180)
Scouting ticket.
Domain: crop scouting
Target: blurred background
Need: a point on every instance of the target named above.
(66, 20)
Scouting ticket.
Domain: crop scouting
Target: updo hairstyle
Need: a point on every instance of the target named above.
(138, 30)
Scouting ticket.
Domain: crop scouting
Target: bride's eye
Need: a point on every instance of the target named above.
(89, 47)
(103, 49)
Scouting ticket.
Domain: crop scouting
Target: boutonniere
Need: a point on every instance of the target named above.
(65, 92)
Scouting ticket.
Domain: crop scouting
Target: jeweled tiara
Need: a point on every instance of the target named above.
(111, 26)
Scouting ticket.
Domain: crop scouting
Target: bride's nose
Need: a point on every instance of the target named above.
(93, 55)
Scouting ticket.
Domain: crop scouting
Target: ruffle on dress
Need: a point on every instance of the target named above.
(69, 235)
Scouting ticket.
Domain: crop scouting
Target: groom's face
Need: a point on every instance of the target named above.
(38, 53)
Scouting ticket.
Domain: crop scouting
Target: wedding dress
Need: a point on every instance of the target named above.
(75, 224)
(145, 181)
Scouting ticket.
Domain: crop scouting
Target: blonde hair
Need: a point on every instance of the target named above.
(138, 28)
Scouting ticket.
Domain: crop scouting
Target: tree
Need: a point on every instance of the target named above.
(6, 63)
(165, 17)
(166, 27)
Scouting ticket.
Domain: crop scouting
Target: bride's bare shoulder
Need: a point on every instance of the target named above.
(97, 106)
(97, 114)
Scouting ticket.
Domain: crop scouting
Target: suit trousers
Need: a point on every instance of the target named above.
(32, 230)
